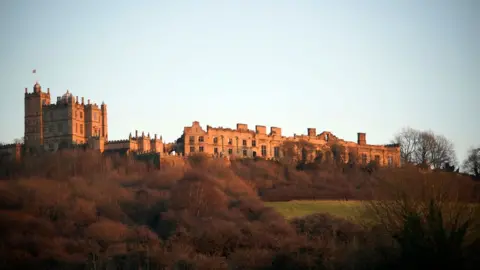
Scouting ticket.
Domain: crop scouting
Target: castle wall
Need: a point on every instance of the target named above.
(137, 144)
(11, 152)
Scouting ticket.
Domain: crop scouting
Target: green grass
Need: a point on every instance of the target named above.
(350, 210)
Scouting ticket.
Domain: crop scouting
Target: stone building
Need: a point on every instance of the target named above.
(243, 142)
(134, 144)
(71, 122)
(67, 122)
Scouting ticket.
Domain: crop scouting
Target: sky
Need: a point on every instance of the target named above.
(340, 66)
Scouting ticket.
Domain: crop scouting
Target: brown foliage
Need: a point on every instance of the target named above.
(77, 209)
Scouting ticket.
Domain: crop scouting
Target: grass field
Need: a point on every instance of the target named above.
(345, 209)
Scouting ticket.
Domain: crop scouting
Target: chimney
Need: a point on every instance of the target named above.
(83, 101)
(76, 99)
(361, 138)
(26, 90)
(88, 101)
(155, 136)
(143, 134)
(48, 90)
(136, 133)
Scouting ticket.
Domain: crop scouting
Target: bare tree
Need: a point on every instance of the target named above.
(408, 139)
(425, 148)
(442, 152)
(472, 164)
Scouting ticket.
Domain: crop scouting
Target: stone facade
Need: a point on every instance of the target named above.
(134, 144)
(69, 121)
(72, 122)
(243, 142)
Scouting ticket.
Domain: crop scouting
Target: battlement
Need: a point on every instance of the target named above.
(143, 136)
(117, 141)
(392, 145)
(242, 130)
(37, 94)
(55, 105)
(11, 145)
(37, 90)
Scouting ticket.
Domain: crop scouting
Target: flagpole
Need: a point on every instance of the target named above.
(35, 76)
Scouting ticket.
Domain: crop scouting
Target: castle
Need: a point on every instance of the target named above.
(71, 122)
(243, 142)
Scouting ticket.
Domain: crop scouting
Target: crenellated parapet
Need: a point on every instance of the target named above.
(392, 145)
(118, 141)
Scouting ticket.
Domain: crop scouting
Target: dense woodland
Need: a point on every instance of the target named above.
(81, 210)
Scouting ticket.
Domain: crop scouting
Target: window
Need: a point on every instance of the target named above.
(95, 116)
(326, 137)
(254, 143)
(264, 150)
(192, 149)
(230, 141)
(244, 142)
(191, 139)
(81, 128)
(215, 150)
(276, 151)
(244, 153)
(377, 159)
(364, 159)
(200, 149)
(76, 127)
(230, 151)
(81, 115)
(200, 139)
(390, 160)
(215, 140)
(254, 153)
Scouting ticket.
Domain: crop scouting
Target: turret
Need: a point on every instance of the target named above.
(34, 116)
(104, 119)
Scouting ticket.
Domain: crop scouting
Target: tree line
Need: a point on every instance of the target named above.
(431, 150)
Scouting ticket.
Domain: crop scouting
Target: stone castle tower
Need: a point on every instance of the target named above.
(66, 123)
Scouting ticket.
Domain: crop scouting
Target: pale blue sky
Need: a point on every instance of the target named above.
(342, 66)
